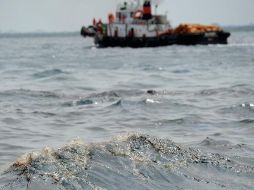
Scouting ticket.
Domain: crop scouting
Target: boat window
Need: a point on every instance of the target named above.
(119, 16)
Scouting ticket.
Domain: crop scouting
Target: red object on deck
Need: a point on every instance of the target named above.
(94, 22)
(147, 10)
(99, 26)
(111, 18)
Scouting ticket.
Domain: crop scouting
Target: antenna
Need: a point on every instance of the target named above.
(156, 6)
(138, 3)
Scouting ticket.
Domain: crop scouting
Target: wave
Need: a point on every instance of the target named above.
(247, 121)
(222, 145)
(45, 114)
(241, 44)
(134, 161)
(240, 108)
(29, 93)
(233, 44)
(190, 119)
(236, 90)
(107, 98)
(48, 73)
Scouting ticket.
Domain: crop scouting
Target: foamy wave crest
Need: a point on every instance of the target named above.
(133, 161)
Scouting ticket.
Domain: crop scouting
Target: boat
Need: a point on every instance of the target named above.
(134, 25)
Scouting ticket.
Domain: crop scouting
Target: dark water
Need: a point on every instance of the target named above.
(175, 117)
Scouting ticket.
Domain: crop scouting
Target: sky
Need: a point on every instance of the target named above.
(70, 15)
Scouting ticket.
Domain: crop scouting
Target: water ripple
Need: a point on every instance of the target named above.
(48, 73)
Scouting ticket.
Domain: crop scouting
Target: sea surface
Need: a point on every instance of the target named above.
(74, 117)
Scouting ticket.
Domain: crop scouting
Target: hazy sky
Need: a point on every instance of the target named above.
(70, 15)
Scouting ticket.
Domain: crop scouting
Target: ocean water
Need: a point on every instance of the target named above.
(76, 117)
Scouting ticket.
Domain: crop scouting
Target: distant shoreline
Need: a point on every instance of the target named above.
(243, 28)
(38, 34)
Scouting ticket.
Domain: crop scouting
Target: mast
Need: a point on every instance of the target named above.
(156, 6)
(138, 3)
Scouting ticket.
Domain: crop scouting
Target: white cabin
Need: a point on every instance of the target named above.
(129, 21)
